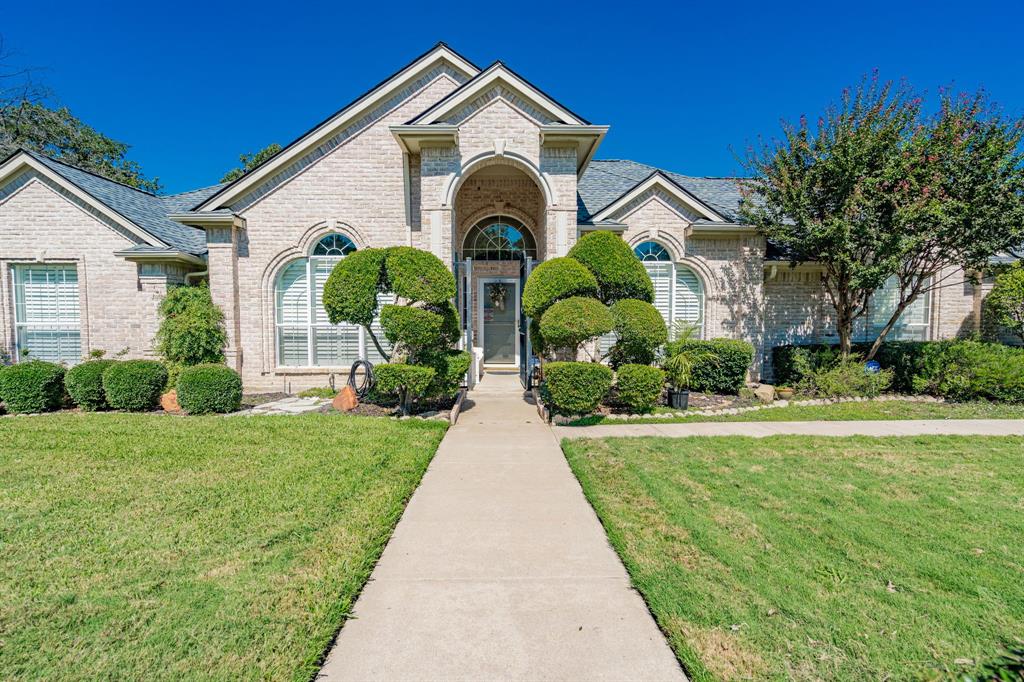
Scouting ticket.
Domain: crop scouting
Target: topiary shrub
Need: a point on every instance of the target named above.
(34, 386)
(418, 275)
(571, 321)
(449, 369)
(192, 328)
(640, 330)
(721, 368)
(575, 387)
(207, 388)
(536, 338)
(406, 382)
(134, 385)
(411, 327)
(639, 386)
(618, 271)
(350, 292)
(555, 280)
(84, 383)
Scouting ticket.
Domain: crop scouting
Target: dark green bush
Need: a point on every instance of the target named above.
(721, 368)
(845, 379)
(203, 389)
(412, 327)
(449, 369)
(192, 328)
(571, 321)
(134, 385)
(350, 292)
(417, 275)
(618, 271)
(536, 338)
(791, 363)
(84, 384)
(406, 382)
(555, 280)
(640, 330)
(575, 387)
(639, 386)
(34, 386)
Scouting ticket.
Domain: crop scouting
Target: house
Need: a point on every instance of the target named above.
(479, 166)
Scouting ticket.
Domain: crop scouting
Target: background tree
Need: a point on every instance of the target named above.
(879, 190)
(250, 161)
(29, 120)
(1004, 305)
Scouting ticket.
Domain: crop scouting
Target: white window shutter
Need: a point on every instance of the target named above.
(47, 313)
(689, 297)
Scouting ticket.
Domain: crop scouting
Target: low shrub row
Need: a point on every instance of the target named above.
(720, 366)
(579, 387)
(133, 386)
(958, 370)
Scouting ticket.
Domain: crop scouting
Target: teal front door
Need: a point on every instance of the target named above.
(499, 303)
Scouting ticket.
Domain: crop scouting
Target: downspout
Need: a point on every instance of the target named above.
(190, 275)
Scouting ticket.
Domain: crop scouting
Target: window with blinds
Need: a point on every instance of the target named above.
(47, 317)
(305, 337)
(678, 294)
(912, 325)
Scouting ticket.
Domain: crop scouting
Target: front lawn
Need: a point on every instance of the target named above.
(852, 411)
(156, 547)
(818, 558)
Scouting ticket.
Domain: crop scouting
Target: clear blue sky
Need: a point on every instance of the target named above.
(190, 86)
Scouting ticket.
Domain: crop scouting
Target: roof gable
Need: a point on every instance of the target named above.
(343, 124)
(498, 81)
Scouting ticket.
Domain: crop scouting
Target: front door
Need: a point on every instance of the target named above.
(499, 321)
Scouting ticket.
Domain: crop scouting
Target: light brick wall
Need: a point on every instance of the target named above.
(118, 299)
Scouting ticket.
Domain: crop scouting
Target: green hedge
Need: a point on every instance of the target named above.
(845, 380)
(640, 330)
(412, 327)
(134, 385)
(207, 388)
(959, 370)
(449, 369)
(571, 321)
(192, 328)
(399, 378)
(575, 387)
(723, 369)
(554, 280)
(639, 386)
(34, 386)
(84, 384)
(618, 271)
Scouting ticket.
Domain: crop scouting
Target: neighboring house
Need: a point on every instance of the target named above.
(478, 166)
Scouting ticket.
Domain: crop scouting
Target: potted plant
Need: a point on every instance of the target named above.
(679, 372)
(784, 392)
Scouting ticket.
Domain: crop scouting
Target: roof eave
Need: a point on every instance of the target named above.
(207, 219)
(587, 139)
(169, 256)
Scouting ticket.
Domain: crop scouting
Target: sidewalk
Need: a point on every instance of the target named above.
(499, 569)
(910, 427)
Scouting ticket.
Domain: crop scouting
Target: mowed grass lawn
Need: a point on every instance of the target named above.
(155, 547)
(819, 558)
(863, 411)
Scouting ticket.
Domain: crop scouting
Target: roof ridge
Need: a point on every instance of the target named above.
(192, 191)
(35, 154)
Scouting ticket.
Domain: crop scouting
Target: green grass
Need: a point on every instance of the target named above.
(155, 547)
(868, 410)
(818, 558)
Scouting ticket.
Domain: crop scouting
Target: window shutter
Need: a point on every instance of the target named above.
(292, 299)
(661, 278)
(689, 297)
(47, 314)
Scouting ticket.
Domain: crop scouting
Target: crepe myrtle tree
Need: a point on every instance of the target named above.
(422, 326)
(880, 189)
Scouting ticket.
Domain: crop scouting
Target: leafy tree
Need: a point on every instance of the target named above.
(191, 329)
(878, 189)
(250, 161)
(29, 121)
(1005, 303)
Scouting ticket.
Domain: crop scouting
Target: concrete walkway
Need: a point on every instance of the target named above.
(499, 569)
(910, 427)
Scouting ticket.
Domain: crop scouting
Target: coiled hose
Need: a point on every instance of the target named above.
(362, 386)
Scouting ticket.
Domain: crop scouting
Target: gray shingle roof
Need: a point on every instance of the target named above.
(606, 180)
(146, 210)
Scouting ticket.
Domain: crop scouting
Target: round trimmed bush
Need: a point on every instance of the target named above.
(618, 271)
(576, 387)
(203, 389)
(350, 292)
(84, 384)
(639, 386)
(134, 385)
(554, 280)
(417, 275)
(571, 321)
(34, 386)
(449, 369)
(412, 327)
(536, 338)
(640, 329)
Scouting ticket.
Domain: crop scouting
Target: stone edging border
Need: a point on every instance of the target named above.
(565, 421)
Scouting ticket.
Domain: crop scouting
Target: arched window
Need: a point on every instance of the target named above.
(305, 337)
(678, 291)
(499, 238)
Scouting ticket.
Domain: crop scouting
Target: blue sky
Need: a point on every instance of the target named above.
(684, 86)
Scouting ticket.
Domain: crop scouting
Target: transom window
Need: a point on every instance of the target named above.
(305, 337)
(47, 318)
(678, 291)
(651, 251)
(499, 238)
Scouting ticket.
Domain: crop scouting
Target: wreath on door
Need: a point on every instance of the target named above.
(497, 293)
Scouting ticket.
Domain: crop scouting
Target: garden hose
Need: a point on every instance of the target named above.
(363, 387)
